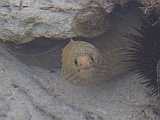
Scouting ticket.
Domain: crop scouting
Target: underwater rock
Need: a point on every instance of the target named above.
(22, 21)
(4, 108)
(90, 21)
(153, 13)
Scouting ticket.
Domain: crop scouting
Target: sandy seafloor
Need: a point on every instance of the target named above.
(33, 93)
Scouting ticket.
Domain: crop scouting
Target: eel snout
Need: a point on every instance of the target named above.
(84, 62)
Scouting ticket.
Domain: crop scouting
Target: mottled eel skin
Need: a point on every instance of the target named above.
(82, 63)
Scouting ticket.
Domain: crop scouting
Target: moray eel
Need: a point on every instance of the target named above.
(82, 63)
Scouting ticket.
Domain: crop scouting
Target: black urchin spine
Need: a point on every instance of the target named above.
(145, 54)
(158, 77)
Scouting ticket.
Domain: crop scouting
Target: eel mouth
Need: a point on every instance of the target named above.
(84, 62)
(86, 67)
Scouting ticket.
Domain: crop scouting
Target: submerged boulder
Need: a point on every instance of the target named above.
(22, 21)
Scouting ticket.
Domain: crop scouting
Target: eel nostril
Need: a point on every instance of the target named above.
(75, 62)
(92, 59)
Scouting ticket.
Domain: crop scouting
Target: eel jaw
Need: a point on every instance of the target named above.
(84, 62)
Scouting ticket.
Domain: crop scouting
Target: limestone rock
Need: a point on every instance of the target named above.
(22, 21)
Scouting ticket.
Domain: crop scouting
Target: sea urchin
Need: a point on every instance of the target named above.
(145, 54)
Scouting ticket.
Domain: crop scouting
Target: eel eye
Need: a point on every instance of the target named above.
(92, 58)
(75, 62)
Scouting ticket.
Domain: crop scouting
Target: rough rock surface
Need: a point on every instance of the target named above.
(47, 96)
(22, 21)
